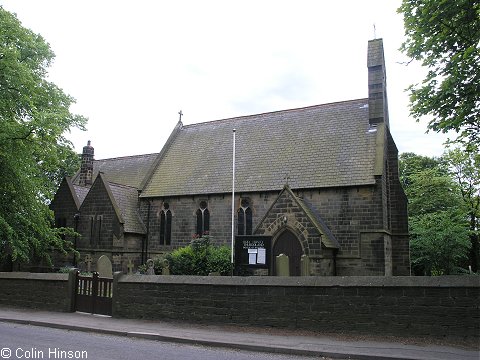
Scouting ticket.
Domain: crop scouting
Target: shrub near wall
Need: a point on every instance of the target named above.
(438, 306)
(34, 290)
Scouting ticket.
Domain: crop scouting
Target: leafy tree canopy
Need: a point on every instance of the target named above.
(438, 216)
(444, 35)
(464, 168)
(34, 152)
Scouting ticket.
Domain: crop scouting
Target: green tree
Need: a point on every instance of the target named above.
(439, 242)
(411, 164)
(34, 152)
(200, 258)
(464, 168)
(444, 36)
(437, 216)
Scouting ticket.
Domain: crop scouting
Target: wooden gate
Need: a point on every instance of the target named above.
(93, 294)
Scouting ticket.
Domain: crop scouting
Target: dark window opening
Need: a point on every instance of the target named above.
(165, 226)
(245, 218)
(241, 221)
(61, 223)
(203, 219)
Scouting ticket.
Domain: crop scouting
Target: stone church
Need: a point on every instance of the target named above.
(322, 181)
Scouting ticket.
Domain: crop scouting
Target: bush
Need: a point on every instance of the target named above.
(200, 258)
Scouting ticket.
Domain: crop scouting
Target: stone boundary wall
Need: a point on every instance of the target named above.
(36, 290)
(423, 306)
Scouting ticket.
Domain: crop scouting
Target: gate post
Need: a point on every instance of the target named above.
(94, 293)
(72, 289)
(115, 298)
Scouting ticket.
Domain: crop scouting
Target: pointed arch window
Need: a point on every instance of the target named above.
(61, 222)
(203, 219)
(244, 218)
(166, 225)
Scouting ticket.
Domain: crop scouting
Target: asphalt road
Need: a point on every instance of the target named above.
(33, 342)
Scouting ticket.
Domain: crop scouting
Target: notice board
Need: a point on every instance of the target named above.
(253, 251)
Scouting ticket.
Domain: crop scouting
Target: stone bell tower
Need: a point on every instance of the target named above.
(377, 83)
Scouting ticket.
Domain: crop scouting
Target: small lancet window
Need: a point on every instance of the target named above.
(203, 219)
(245, 218)
(166, 225)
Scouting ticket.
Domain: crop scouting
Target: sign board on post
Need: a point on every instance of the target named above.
(252, 251)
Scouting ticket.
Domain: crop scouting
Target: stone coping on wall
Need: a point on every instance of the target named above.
(309, 281)
(34, 276)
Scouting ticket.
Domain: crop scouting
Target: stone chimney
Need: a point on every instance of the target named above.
(86, 169)
(377, 83)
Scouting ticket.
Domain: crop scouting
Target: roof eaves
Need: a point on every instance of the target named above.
(101, 176)
(73, 192)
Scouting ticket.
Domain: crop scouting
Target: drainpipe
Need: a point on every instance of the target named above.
(335, 252)
(144, 259)
(76, 217)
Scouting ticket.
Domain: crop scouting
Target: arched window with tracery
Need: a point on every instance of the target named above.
(203, 219)
(244, 218)
(165, 225)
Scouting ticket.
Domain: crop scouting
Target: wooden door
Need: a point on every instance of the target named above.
(288, 244)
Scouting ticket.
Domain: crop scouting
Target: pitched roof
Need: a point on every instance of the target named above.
(318, 146)
(128, 170)
(126, 199)
(81, 192)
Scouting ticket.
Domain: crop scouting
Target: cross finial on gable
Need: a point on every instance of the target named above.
(181, 114)
(286, 178)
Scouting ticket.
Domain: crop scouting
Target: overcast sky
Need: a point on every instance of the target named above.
(133, 65)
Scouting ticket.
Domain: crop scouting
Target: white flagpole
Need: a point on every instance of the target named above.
(233, 196)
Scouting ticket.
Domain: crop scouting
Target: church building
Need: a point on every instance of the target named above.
(322, 181)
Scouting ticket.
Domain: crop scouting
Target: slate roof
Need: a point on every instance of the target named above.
(81, 192)
(318, 146)
(328, 239)
(126, 199)
(128, 170)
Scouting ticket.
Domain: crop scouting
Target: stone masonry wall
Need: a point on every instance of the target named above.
(39, 291)
(398, 214)
(437, 306)
(98, 221)
(354, 215)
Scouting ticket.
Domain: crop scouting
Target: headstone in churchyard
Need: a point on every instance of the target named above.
(88, 261)
(130, 267)
(305, 265)
(150, 267)
(166, 268)
(104, 267)
(282, 266)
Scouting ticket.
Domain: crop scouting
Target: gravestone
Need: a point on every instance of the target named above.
(150, 267)
(104, 267)
(88, 262)
(282, 266)
(166, 268)
(304, 265)
(130, 267)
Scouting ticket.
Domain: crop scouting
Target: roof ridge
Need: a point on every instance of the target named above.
(121, 185)
(274, 112)
(127, 156)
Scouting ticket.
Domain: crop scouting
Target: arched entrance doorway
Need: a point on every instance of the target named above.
(288, 244)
